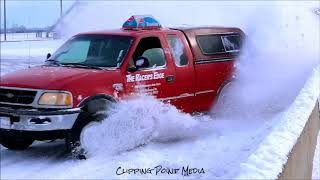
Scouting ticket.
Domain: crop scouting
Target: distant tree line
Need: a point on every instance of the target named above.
(22, 29)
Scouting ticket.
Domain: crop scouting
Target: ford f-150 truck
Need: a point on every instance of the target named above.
(186, 67)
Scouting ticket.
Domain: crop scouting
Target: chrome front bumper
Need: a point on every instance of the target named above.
(36, 120)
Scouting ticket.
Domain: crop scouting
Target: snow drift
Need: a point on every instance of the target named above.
(272, 152)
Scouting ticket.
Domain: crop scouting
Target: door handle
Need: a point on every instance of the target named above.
(170, 78)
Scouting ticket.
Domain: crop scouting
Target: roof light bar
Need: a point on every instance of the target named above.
(137, 22)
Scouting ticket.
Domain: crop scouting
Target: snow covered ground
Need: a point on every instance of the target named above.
(274, 84)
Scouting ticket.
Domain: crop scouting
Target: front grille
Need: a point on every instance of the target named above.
(17, 96)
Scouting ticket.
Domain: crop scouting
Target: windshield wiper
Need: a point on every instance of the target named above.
(80, 65)
(53, 62)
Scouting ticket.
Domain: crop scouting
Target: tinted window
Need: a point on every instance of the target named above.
(210, 44)
(215, 44)
(231, 43)
(177, 50)
(94, 50)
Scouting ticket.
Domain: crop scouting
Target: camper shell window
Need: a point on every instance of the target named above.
(219, 43)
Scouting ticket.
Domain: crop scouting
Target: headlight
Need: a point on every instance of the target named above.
(55, 99)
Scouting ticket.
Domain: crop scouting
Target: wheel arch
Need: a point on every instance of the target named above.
(223, 85)
(84, 117)
(85, 101)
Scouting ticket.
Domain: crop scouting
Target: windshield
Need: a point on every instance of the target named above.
(93, 50)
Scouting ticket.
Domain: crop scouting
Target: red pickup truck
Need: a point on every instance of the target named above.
(186, 67)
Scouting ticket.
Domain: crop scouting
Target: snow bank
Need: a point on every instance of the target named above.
(267, 161)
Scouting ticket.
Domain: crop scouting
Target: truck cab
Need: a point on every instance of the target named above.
(186, 67)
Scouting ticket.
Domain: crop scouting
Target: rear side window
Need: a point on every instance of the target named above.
(217, 44)
(231, 43)
(210, 44)
(177, 50)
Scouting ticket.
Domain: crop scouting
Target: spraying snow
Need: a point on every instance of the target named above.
(138, 122)
(281, 50)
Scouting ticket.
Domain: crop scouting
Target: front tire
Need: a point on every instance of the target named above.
(95, 111)
(16, 144)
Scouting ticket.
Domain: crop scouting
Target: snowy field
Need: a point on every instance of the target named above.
(23, 54)
(275, 86)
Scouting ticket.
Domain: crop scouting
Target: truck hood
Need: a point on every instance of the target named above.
(49, 77)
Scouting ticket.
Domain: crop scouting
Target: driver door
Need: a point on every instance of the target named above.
(157, 78)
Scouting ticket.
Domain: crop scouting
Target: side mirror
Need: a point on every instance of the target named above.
(48, 56)
(142, 62)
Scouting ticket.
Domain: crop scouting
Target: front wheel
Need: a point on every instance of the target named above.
(16, 144)
(74, 141)
(95, 111)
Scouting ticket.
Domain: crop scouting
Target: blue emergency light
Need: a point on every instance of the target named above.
(137, 22)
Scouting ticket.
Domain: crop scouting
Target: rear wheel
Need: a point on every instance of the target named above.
(95, 111)
(221, 98)
(16, 144)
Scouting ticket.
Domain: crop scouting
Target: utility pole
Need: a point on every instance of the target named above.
(5, 20)
(60, 8)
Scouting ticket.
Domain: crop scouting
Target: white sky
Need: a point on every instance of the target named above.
(41, 13)
(33, 13)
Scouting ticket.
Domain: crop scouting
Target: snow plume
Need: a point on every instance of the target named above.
(138, 122)
(281, 49)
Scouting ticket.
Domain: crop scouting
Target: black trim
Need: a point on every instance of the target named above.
(216, 60)
(98, 96)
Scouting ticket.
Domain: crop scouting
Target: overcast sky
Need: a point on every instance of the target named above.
(33, 13)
